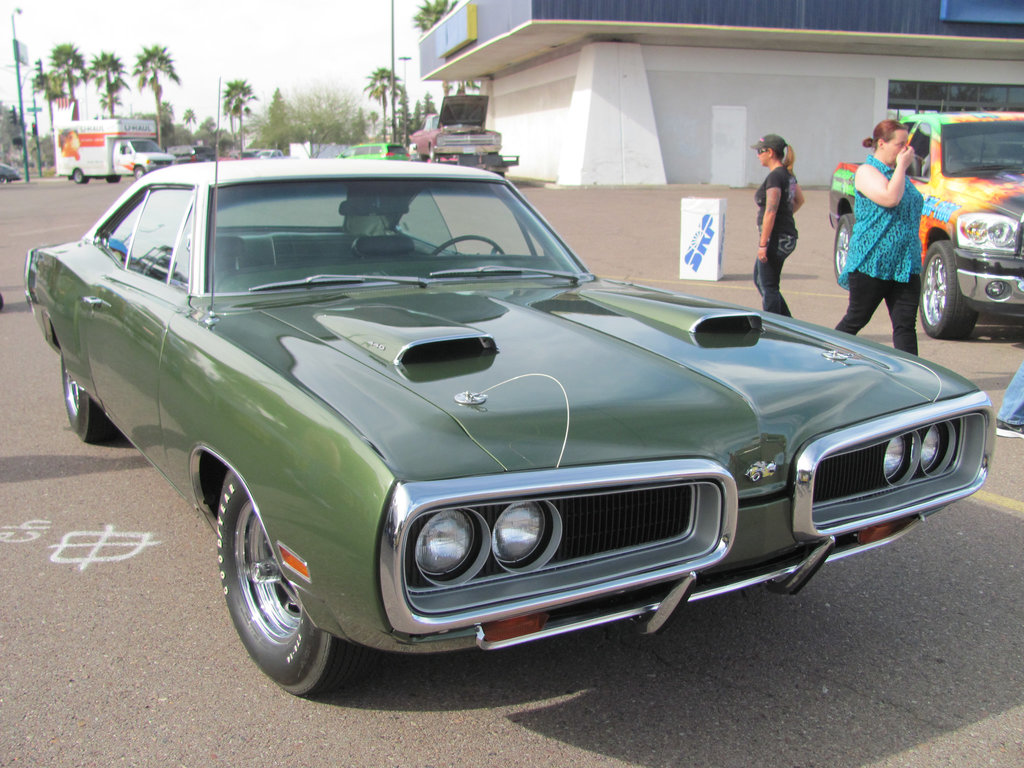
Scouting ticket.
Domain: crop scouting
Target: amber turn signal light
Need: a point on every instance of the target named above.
(507, 629)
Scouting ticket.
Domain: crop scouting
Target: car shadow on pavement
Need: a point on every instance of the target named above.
(880, 654)
(20, 469)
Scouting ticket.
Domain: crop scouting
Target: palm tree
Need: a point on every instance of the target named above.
(430, 12)
(189, 119)
(109, 71)
(69, 64)
(150, 65)
(51, 86)
(427, 15)
(379, 89)
(237, 96)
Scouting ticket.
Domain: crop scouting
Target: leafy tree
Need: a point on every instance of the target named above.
(150, 65)
(189, 119)
(324, 114)
(273, 126)
(379, 89)
(109, 71)
(237, 96)
(69, 64)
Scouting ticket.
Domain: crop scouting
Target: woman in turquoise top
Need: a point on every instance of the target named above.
(884, 259)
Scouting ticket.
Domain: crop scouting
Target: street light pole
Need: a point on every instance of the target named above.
(405, 101)
(394, 122)
(21, 104)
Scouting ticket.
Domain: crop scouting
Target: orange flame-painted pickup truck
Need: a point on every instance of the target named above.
(970, 168)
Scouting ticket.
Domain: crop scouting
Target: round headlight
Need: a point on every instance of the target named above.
(895, 451)
(445, 542)
(931, 446)
(517, 532)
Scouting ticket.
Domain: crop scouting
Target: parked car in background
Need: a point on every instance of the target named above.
(192, 154)
(456, 135)
(418, 423)
(8, 173)
(261, 154)
(377, 151)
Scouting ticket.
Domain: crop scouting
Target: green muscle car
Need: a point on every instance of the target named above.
(418, 423)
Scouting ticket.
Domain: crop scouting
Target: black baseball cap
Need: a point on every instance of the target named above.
(770, 141)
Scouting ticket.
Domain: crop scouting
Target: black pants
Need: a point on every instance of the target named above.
(866, 293)
(768, 274)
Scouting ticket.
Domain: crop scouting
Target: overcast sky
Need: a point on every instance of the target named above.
(269, 43)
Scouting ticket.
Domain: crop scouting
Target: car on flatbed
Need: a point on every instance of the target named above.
(970, 169)
(417, 422)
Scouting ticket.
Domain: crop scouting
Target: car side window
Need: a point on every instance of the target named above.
(182, 254)
(118, 238)
(157, 232)
(921, 142)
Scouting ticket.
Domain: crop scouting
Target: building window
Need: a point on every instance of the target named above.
(907, 97)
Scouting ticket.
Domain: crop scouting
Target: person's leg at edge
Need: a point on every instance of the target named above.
(866, 294)
(1010, 420)
(902, 300)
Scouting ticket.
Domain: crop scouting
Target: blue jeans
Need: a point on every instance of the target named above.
(1012, 410)
(767, 274)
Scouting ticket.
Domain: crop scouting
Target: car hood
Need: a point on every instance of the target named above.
(1001, 191)
(463, 109)
(532, 377)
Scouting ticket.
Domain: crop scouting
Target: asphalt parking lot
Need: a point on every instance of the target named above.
(905, 656)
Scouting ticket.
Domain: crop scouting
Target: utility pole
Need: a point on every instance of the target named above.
(21, 104)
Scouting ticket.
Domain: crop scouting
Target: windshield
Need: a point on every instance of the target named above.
(287, 231)
(974, 147)
(145, 145)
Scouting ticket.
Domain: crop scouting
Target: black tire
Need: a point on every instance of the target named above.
(113, 179)
(139, 172)
(85, 416)
(267, 612)
(1, 301)
(78, 177)
(944, 312)
(841, 247)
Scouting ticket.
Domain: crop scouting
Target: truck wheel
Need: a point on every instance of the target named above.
(113, 179)
(842, 244)
(266, 609)
(78, 177)
(139, 172)
(944, 312)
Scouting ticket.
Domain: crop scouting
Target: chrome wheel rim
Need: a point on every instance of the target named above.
(72, 395)
(934, 303)
(842, 249)
(270, 599)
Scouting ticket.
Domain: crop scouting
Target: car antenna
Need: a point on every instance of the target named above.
(211, 318)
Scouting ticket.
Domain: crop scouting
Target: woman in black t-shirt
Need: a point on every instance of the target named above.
(778, 198)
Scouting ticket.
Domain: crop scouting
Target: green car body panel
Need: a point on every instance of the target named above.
(317, 400)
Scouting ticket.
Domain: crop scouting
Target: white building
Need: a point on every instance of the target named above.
(676, 91)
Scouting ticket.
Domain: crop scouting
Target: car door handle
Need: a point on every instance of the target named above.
(94, 301)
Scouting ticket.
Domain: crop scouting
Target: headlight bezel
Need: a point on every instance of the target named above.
(987, 231)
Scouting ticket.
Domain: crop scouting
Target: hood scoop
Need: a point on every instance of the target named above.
(409, 339)
(727, 329)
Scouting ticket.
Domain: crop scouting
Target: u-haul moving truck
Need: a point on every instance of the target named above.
(107, 149)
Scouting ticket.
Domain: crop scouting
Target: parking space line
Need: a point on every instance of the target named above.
(1012, 506)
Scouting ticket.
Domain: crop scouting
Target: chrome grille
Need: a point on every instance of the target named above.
(595, 525)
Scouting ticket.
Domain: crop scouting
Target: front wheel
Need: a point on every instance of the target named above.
(842, 243)
(78, 177)
(85, 416)
(944, 311)
(139, 172)
(266, 609)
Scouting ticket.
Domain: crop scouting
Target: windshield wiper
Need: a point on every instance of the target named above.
(972, 169)
(320, 280)
(497, 269)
